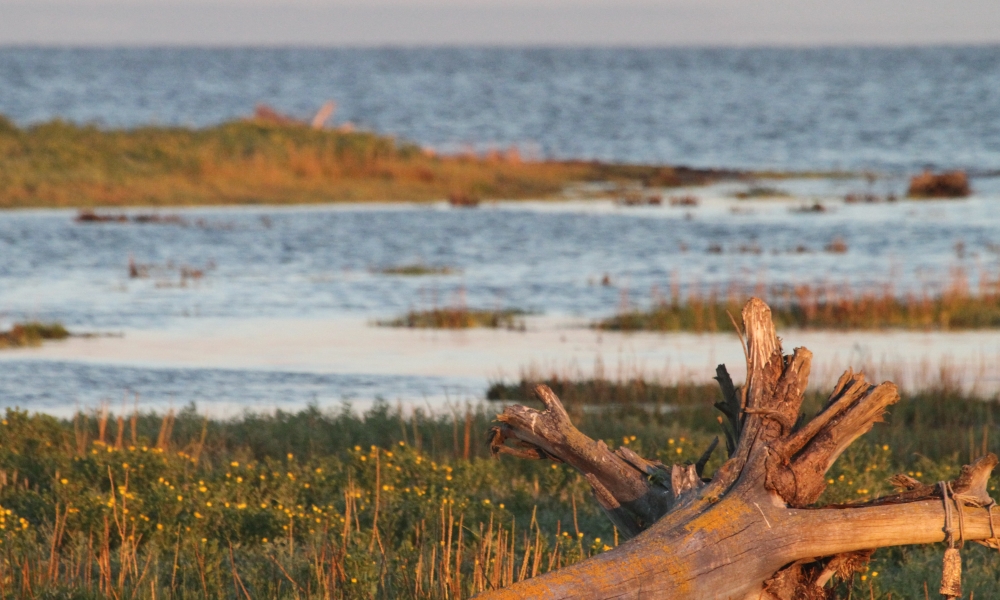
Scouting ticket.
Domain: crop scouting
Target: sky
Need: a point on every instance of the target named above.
(499, 22)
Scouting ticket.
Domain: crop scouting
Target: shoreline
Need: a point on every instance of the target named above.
(351, 347)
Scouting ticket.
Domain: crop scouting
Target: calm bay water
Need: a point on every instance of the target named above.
(863, 108)
(891, 110)
(62, 387)
(267, 263)
(322, 262)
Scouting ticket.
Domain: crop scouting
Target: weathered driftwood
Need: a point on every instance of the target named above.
(751, 531)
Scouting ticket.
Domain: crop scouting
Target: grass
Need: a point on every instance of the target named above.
(416, 270)
(59, 164)
(331, 504)
(822, 307)
(460, 318)
(592, 392)
(755, 192)
(938, 421)
(31, 333)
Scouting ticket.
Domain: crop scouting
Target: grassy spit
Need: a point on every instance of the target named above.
(321, 504)
(819, 307)
(460, 318)
(32, 333)
(249, 162)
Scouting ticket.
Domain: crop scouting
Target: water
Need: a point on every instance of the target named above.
(264, 268)
(847, 108)
(61, 387)
(270, 266)
(324, 262)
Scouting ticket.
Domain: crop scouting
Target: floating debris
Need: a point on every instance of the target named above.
(815, 207)
(266, 114)
(868, 198)
(684, 201)
(463, 200)
(836, 246)
(159, 219)
(137, 271)
(638, 198)
(164, 274)
(87, 215)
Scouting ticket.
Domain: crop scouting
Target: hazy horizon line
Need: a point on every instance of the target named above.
(491, 46)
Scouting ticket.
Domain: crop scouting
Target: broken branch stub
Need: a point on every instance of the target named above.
(751, 531)
(624, 484)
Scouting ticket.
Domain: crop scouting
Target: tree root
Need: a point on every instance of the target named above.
(751, 531)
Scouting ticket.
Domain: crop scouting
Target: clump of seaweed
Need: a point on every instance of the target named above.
(32, 333)
(460, 318)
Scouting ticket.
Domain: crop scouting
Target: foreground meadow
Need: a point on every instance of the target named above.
(331, 504)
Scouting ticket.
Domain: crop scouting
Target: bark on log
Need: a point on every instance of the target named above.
(751, 532)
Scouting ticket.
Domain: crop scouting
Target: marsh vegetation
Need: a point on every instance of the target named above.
(333, 504)
(265, 162)
(460, 317)
(417, 269)
(832, 307)
(31, 333)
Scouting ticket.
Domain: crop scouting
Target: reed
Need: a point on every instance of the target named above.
(837, 307)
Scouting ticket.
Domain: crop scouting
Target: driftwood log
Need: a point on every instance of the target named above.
(752, 531)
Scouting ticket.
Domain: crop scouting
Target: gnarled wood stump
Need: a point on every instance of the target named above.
(751, 531)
